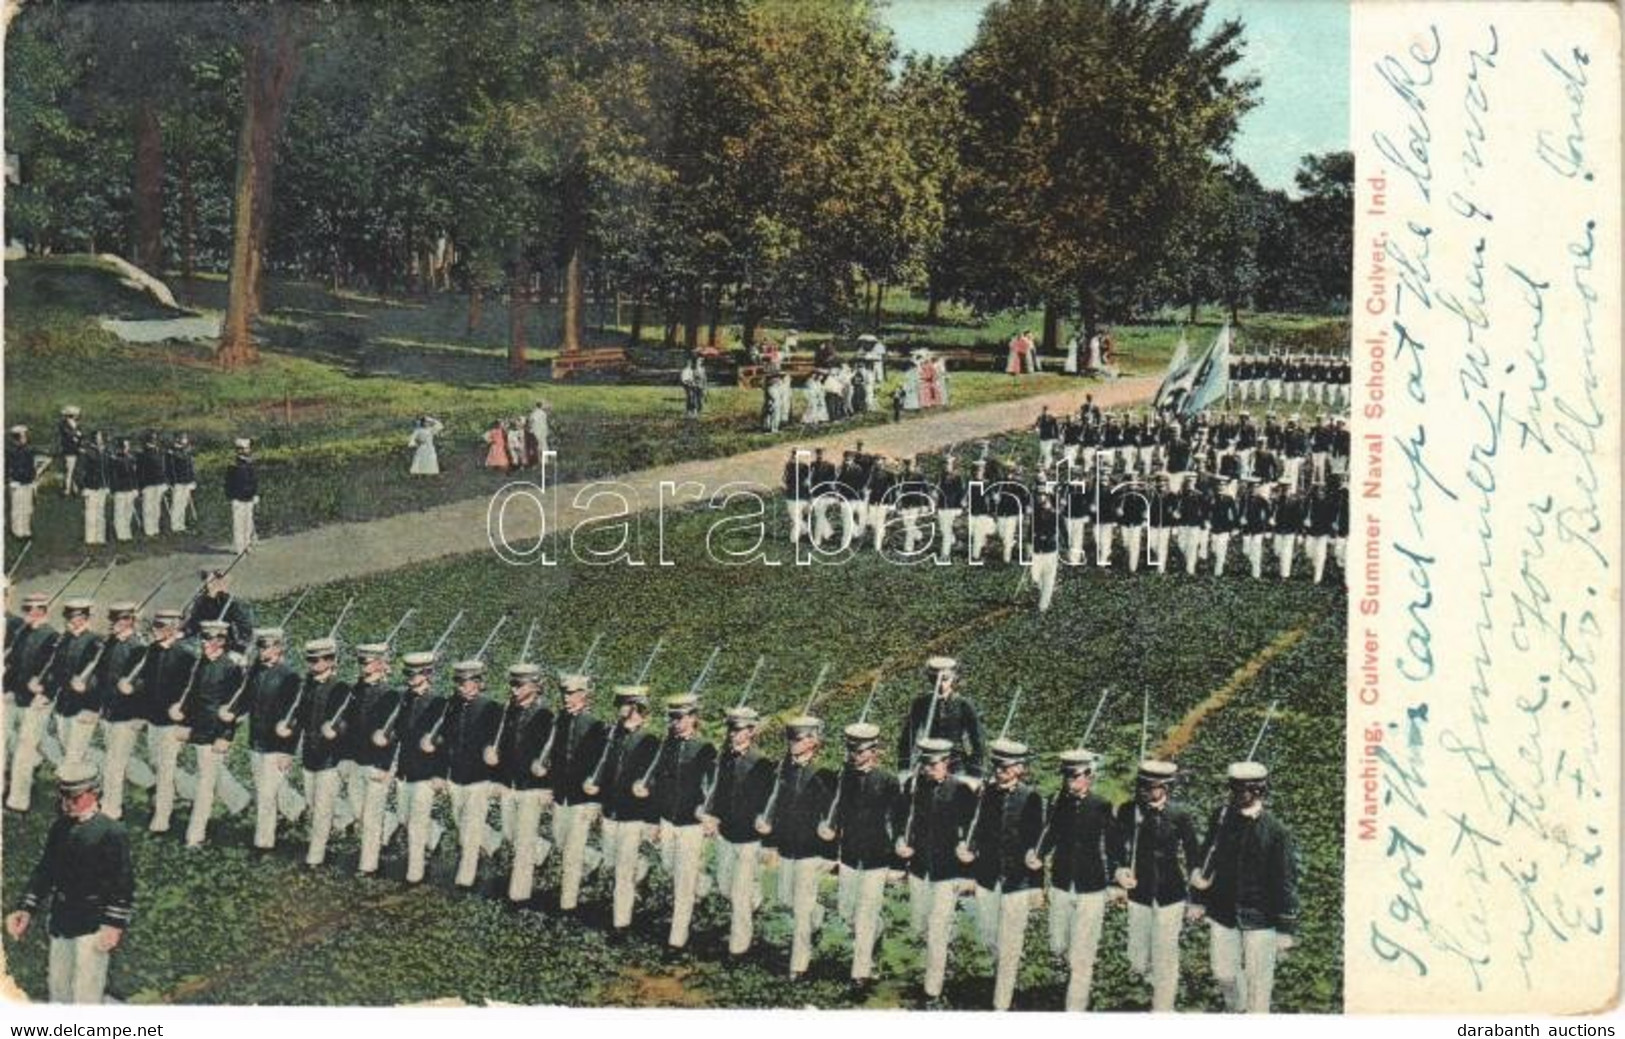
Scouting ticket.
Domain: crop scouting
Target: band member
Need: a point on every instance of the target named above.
(28, 657)
(85, 882)
(1340, 527)
(796, 802)
(69, 440)
(1162, 850)
(469, 727)
(166, 672)
(154, 483)
(212, 686)
(72, 696)
(681, 768)
(576, 745)
(738, 794)
(216, 603)
(243, 491)
(21, 472)
(1248, 886)
(267, 699)
(378, 701)
(182, 467)
(628, 821)
(928, 820)
(122, 715)
(326, 709)
(956, 719)
(1085, 850)
(525, 727)
(1008, 823)
(417, 758)
(950, 502)
(859, 821)
(92, 480)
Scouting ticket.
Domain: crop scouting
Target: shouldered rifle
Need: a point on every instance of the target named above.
(228, 712)
(964, 851)
(1206, 872)
(431, 739)
(744, 696)
(704, 813)
(1145, 730)
(284, 725)
(67, 584)
(177, 710)
(538, 768)
(492, 752)
(1049, 820)
(15, 563)
(826, 826)
(907, 839)
(84, 674)
(330, 726)
(381, 735)
(640, 788)
(594, 783)
(764, 821)
(204, 585)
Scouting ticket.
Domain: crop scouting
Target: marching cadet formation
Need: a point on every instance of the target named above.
(1290, 377)
(1109, 487)
(368, 742)
(148, 487)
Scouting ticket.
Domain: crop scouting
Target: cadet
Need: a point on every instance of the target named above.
(86, 882)
(21, 473)
(267, 699)
(928, 819)
(1223, 519)
(1290, 520)
(243, 490)
(1086, 851)
(122, 714)
(124, 481)
(681, 769)
(216, 603)
(1007, 825)
(1193, 518)
(182, 470)
(1258, 516)
(1248, 886)
(627, 819)
(1322, 524)
(950, 502)
(69, 440)
(798, 491)
(29, 656)
(154, 484)
(378, 702)
(323, 706)
(577, 741)
(92, 483)
(859, 821)
(1046, 545)
(526, 725)
(470, 726)
(421, 770)
(67, 682)
(797, 801)
(165, 673)
(979, 502)
(214, 681)
(956, 719)
(738, 794)
(1162, 849)
(1012, 500)
(1049, 431)
(1080, 506)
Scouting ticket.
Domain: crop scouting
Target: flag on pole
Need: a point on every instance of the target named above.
(1176, 382)
(1212, 377)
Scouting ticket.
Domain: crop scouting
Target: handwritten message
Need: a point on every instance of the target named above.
(1484, 699)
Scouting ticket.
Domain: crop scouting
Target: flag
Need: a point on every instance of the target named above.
(1212, 379)
(1176, 382)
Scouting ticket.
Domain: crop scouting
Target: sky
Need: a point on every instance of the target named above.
(1299, 49)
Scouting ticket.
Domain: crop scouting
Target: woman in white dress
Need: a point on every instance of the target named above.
(1071, 365)
(813, 393)
(911, 387)
(425, 460)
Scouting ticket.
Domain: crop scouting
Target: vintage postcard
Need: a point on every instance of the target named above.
(1045, 505)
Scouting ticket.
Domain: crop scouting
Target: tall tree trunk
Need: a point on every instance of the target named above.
(933, 306)
(518, 296)
(476, 307)
(750, 322)
(880, 302)
(636, 334)
(1192, 319)
(149, 189)
(573, 299)
(1052, 329)
(188, 227)
(270, 63)
(711, 340)
(693, 317)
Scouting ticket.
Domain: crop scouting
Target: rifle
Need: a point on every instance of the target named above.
(963, 851)
(491, 754)
(906, 840)
(1145, 729)
(228, 711)
(15, 563)
(84, 675)
(538, 768)
(431, 738)
(764, 821)
(640, 788)
(1049, 820)
(284, 725)
(744, 696)
(380, 736)
(330, 726)
(1206, 872)
(826, 825)
(204, 584)
(594, 783)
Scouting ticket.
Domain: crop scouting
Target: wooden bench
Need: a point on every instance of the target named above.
(749, 375)
(598, 359)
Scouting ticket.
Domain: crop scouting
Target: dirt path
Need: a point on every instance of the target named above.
(342, 551)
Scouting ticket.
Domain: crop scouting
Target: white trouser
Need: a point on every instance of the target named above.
(25, 759)
(242, 525)
(1001, 921)
(96, 517)
(354, 790)
(1252, 546)
(1294, 466)
(152, 509)
(74, 732)
(1074, 540)
(322, 791)
(931, 906)
(1043, 571)
(822, 528)
(1104, 533)
(1190, 547)
(911, 528)
(806, 914)
(1074, 932)
(680, 851)
(70, 469)
(419, 806)
(373, 802)
(979, 528)
(1221, 549)
(22, 510)
(470, 805)
(522, 823)
(798, 518)
(851, 523)
(878, 513)
(121, 737)
(1046, 452)
(1285, 548)
(165, 751)
(1153, 949)
(270, 773)
(1133, 540)
(210, 762)
(861, 894)
(180, 499)
(737, 866)
(1340, 552)
(623, 842)
(78, 970)
(1244, 967)
(572, 825)
(1317, 554)
(1008, 527)
(1159, 547)
(124, 514)
(946, 518)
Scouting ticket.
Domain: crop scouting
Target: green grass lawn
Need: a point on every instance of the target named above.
(226, 926)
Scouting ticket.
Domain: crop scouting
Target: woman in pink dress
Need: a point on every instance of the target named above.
(930, 384)
(496, 454)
